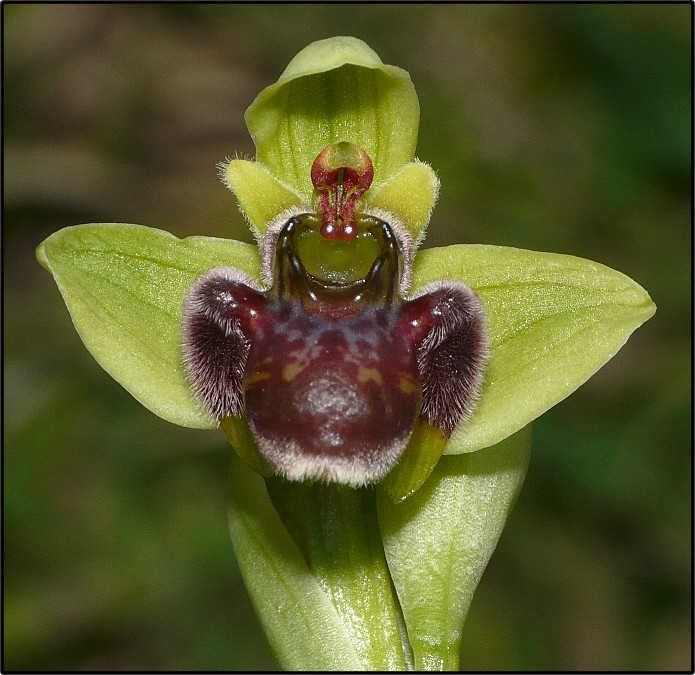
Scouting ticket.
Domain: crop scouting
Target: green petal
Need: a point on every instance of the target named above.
(303, 628)
(439, 541)
(261, 195)
(410, 195)
(553, 319)
(124, 286)
(334, 90)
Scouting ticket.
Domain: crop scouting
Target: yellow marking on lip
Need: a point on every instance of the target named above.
(258, 376)
(291, 370)
(407, 384)
(367, 374)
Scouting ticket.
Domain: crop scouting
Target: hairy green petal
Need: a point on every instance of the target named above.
(410, 195)
(124, 287)
(334, 90)
(439, 541)
(553, 319)
(261, 195)
(303, 627)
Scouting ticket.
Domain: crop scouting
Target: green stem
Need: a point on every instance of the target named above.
(437, 657)
(304, 630)
(336, 529)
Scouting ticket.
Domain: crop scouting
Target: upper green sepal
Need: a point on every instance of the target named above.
(334, 90)
(553, 321)
(124, 287)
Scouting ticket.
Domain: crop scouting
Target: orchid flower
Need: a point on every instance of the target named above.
(378, 397)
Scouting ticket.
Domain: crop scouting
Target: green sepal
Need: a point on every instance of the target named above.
(303, 627)
(553, 321)
(334, 90)
(439, 541)
(124, 286)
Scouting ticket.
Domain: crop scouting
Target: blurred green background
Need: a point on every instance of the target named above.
(563, 128)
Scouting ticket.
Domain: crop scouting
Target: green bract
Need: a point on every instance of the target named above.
(435, 548)
(453, 522)
(342, 578)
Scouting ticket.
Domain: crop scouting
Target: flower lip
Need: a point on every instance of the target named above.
(350, 366)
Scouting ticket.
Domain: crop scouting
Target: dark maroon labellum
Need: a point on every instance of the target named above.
(333, 376)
